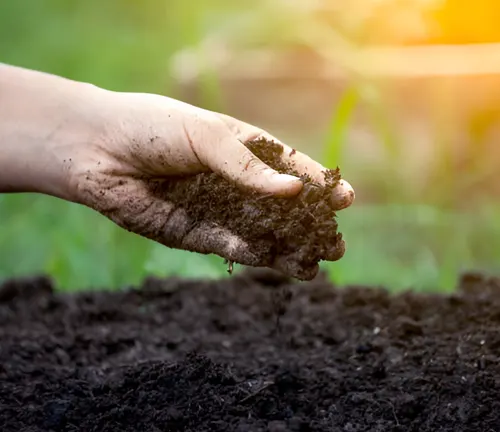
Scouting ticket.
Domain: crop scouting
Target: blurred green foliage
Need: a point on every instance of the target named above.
(117, 44)
(126, 45)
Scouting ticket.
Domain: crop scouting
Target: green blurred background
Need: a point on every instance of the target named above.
(419, 149)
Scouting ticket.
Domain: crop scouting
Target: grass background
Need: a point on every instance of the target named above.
(126, 45)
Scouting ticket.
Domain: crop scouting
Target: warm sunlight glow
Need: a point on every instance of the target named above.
(463, 21)
(430, 21)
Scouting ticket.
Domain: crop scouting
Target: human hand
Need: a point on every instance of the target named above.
(149, 137)
(105, 149)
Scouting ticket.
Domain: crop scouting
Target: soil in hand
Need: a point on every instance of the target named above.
(180, 355)
(301, 230)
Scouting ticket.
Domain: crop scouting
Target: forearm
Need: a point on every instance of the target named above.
(44, 120)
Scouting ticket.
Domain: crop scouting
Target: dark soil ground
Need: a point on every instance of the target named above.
(178, 355)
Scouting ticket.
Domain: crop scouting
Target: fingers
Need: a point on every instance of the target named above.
(300, 162)
(207, 238)
(233, 160)
(343, 195)
(292, 264)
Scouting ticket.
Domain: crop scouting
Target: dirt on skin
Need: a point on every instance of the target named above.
(302, 230)
(180, 355)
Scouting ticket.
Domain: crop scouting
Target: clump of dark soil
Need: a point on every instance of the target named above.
(179, 355)
(302, 229)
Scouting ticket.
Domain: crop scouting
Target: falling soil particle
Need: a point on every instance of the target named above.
(180, 355)
(302, 230)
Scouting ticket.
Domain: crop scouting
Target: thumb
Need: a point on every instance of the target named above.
(234, 161)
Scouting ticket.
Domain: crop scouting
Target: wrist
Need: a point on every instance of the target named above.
(47, 125)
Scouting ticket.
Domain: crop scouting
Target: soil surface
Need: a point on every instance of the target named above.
(180, 355)
(302, 230)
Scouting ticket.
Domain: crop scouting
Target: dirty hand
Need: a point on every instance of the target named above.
(100, 148)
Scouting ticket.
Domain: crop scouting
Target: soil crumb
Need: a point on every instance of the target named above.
(302, 230)
(182, 355)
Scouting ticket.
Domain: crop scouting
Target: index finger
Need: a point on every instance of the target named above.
(342, 196)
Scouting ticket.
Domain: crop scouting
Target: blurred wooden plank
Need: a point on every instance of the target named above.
(429, 61)
(374, 62)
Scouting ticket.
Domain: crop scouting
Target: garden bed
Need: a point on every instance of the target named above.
(254, 352)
